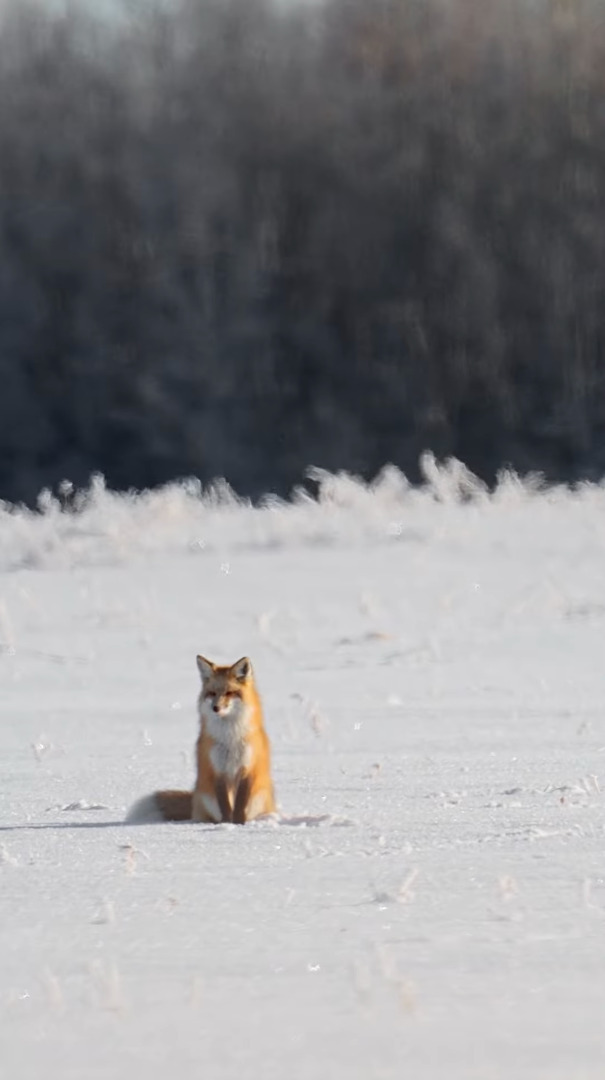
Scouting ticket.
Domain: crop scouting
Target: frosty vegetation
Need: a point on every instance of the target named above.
(238, 237)
(98, 526)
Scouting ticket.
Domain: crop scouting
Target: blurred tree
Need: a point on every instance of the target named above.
(239, 238)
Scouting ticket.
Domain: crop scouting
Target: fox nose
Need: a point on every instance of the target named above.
(216, 707)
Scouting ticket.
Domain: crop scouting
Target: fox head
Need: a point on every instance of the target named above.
(224, 689)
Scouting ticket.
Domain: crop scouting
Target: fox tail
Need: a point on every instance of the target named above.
(161, 806)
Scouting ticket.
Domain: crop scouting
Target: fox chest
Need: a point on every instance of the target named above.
(230, 757)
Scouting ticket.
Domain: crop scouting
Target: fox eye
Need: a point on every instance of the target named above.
(210, 693)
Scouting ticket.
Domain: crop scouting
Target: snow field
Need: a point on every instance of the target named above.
(431, 902)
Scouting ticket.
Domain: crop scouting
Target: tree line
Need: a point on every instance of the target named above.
(240, 237)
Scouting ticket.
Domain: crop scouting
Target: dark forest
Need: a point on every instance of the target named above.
(239, 238)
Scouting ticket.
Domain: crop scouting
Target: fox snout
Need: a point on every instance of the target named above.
(222, 704)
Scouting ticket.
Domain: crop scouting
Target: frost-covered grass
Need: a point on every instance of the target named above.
(431, 902)
(105, 527)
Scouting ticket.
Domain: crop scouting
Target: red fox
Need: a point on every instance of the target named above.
(233, 755)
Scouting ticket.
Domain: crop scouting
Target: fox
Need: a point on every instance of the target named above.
(233, 755)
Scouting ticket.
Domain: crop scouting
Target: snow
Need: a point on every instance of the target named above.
(431, 901)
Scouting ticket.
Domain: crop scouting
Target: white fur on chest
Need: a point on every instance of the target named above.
(231, 752)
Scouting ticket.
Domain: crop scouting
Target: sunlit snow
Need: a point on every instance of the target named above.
(431, 902)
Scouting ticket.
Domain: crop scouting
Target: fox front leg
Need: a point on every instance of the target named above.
(242, 798)
(222, 798)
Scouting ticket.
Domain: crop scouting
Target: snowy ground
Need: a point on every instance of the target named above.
(432, 903)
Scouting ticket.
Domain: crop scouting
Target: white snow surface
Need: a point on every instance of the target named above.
(431, 900)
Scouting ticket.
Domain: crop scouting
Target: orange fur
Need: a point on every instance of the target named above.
(233, 752)
(174, 805)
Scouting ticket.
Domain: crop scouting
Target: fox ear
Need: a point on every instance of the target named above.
(242, 669)
(205, 667)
